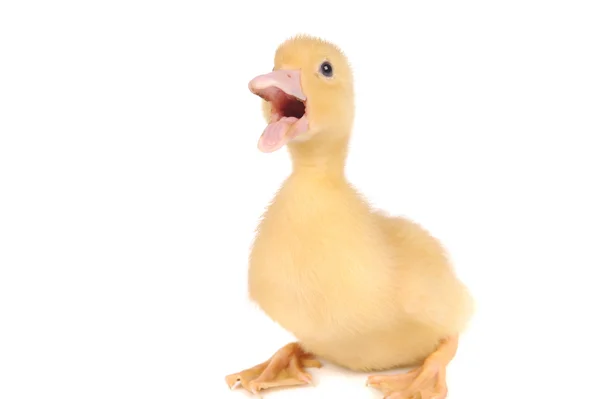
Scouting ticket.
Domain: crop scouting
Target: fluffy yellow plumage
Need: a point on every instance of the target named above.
(357, 287)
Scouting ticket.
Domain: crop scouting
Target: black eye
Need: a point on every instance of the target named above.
(326, 69)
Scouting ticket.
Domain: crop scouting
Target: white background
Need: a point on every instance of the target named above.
(130, 186)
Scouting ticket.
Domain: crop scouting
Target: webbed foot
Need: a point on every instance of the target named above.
(425, 382)
(284, 369)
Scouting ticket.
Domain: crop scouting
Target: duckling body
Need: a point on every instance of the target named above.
(355, 286)
(301, 236)
(347, 280)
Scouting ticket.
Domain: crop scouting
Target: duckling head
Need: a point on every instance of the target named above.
(308, 100)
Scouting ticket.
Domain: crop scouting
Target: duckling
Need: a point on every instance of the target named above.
(355, 286)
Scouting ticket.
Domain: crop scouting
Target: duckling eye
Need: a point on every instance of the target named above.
(326, 69)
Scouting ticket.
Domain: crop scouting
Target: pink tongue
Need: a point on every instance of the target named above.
(275, 135)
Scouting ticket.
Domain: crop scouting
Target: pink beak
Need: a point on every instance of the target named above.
(286, 80)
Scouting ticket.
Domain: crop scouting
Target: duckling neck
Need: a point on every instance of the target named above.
(324, 159)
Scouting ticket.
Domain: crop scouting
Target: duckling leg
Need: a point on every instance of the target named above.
(425, 382)
(284, 368)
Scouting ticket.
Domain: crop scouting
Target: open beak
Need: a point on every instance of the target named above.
(283, 90)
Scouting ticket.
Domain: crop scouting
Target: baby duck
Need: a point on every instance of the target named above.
(356, 287)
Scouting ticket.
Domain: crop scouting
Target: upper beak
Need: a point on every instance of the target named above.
(286, 80)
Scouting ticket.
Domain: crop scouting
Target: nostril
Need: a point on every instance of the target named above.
(289, 75)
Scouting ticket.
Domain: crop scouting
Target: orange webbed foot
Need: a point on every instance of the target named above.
(285, 368)
(425, 382)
